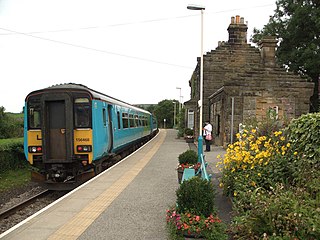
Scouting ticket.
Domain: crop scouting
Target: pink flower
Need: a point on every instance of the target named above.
(197, 218)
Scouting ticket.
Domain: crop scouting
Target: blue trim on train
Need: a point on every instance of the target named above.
(25, 131)
(122, 137)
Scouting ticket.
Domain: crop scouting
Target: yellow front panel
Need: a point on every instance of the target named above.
(83, 137)
(34, 139)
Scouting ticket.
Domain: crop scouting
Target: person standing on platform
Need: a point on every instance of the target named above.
(207, 133)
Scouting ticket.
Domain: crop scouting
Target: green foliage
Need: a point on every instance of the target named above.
(297, 25)
(189, 156)
(303, 134)
(304, 137)
(11, 154)
(165, 110)
(279, 213)
(11, 125)
(275, 181)
(196, 196)
(188, 132)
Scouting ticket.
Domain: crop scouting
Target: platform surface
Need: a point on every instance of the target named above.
(128, 201)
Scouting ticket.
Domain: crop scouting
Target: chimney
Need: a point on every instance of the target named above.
(237, 31)
(268, 50)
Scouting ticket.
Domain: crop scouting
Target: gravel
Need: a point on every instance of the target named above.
(13, 197)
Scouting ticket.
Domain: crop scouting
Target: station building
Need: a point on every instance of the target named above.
(240, 82)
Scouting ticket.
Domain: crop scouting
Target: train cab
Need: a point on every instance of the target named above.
(58, 132)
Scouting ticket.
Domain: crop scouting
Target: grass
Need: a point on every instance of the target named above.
(14, 178)
(11, 140)
(5, 143)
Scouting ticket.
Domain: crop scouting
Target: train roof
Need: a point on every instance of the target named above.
(94, 94)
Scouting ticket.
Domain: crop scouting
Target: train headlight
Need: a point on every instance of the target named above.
(35, 149)
(84, 148)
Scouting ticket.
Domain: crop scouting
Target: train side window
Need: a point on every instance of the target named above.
(131, 120)
(82, 113)
(140, 121)
(118, 118)
(34, 116)
(125, 120)
(136, 121)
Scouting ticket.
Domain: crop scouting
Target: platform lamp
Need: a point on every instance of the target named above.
(179, 88)
(174, 114)
(200, 138)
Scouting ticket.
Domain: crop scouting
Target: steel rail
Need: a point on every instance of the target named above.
(9, 212)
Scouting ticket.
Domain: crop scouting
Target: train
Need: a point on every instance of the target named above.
(72, 133)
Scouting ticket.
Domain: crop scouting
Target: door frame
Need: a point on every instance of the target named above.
(52, 97)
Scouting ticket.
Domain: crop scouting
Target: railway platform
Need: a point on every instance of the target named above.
(128, 201)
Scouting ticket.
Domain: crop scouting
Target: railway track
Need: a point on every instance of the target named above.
(9, 212)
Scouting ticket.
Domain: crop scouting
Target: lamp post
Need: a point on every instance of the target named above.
(174, 114)
(200, 139)
(179, 99)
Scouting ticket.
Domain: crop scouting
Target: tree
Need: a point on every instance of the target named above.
(10, 126)
(296, 23)
(165, 110)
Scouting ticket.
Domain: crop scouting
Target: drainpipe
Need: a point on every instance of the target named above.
(232, 116)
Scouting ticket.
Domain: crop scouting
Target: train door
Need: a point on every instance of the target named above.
(57, 130)
(110, 131)
(57, 119)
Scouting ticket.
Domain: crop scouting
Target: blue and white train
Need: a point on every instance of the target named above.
(72, 132)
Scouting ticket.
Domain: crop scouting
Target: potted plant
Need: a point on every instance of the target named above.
(187, 159)
(194, 214)
(188, 132)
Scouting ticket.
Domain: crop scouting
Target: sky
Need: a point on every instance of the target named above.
(141, 51)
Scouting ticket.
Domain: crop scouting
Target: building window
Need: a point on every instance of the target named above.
(190, 122)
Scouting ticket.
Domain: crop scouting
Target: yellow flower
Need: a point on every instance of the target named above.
(277, 133)
(221, 185)
(288, 144)
(235, 194)
(259, 174)
(295, 153)
(253, 130)
(282, 138)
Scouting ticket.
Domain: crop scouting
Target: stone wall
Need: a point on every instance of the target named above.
(252, 78)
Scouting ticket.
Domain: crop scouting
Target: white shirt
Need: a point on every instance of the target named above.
(207, 129)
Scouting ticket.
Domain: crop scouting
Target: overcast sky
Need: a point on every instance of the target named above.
(137, 51)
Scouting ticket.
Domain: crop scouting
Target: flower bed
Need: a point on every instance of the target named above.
(195, 226)
(274, 180)
(194, 214)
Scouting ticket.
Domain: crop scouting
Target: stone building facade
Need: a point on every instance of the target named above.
(241, 82)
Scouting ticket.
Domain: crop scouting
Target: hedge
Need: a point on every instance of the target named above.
(11, 154)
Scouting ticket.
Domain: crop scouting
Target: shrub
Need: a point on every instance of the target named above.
(11, 154)
(188, 132)
(188, 156)
(303, 135)
(196, 196)
(275, 181)
(279, 213)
